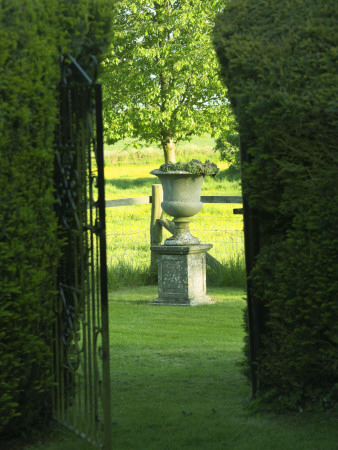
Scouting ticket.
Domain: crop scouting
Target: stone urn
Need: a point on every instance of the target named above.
(182, 200)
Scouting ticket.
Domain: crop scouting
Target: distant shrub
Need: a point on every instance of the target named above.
(30, 33)
(228, 147)
(279, 63)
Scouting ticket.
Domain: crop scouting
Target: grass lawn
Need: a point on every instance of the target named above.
(175, 379)
(176, 383)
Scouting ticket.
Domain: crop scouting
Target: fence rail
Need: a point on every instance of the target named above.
(129, 201)
(157, 223)
(149, 199)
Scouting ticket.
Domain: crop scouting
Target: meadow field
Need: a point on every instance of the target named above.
(128, 227)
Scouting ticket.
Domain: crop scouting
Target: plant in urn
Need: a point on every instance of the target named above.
(182, 184)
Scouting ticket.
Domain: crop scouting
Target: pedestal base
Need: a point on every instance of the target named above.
(181, 275)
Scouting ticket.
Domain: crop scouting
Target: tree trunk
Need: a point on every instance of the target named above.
(169, 150)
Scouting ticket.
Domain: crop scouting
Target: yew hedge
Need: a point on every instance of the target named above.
(30, 33)
(279, 62)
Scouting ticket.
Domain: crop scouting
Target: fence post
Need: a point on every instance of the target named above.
(156, 213)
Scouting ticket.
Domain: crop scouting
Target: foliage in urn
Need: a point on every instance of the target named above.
(194, 167)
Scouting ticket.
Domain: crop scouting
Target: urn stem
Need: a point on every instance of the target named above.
(182, 234)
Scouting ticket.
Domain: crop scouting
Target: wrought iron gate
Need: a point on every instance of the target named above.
(81, 397)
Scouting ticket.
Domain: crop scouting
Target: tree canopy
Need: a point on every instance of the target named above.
(160, 77)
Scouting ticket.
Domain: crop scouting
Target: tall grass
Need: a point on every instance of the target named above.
(128, 227)
(230, 273)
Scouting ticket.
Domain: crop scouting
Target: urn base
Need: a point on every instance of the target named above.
(182, 275)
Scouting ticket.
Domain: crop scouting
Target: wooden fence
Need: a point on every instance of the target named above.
(157, 223)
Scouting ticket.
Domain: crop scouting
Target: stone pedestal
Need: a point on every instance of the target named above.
(181, 274)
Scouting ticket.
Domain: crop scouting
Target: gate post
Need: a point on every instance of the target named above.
(156, 234)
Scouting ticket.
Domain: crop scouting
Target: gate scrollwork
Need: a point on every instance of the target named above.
(81, 398)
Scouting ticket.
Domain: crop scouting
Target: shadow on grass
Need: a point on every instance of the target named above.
(230, 174)
(130, 183)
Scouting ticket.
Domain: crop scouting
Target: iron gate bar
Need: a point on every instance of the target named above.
(103, 263)
(252, 247)
(81, 398)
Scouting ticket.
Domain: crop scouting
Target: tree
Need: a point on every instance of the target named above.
(160, 78)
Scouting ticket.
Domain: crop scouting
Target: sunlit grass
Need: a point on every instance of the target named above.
(128, 227)
(129, 250)
(128, 237)
(135, 180)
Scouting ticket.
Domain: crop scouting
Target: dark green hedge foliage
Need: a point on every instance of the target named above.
(279, 61)
(30, 33)
(28, 249)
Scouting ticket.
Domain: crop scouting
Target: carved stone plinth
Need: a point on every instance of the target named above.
(181, 274)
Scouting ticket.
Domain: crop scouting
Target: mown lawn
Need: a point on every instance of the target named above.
(175, 376)
(176, 383)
